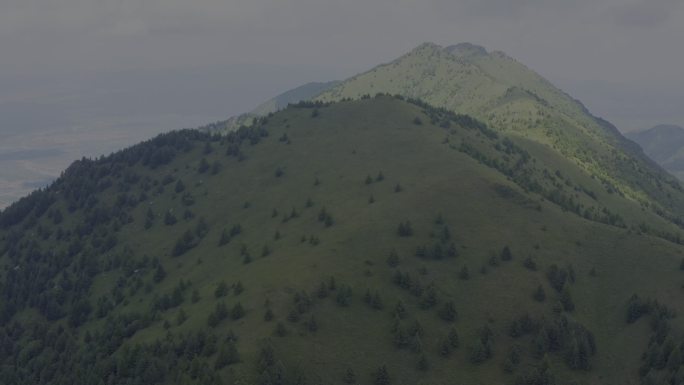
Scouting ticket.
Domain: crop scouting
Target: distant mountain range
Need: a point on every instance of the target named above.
(305, 92)
(664, 144)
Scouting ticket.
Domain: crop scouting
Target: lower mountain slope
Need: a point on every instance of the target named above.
(378, 241)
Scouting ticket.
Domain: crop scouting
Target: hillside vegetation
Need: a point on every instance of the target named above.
(378, 241)
(511, 98)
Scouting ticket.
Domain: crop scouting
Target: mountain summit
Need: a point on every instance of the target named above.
(467, 49)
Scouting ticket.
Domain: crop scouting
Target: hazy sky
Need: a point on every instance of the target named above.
(214, 58)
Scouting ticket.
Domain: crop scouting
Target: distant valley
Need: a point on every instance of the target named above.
(665, 145)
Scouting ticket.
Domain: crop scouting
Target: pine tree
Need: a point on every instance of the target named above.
(180, 187)
(311, 324)
(280, 330)
(149, 218)
(227, 355)
(237, 311)
(464, 274)
(238, 288)
(225, 238)
(448, 311)
(400, 310)
(344, 296)
(170, 219)
(203, 166)
(180, 319)
(445, 348)
(381, 376)
(215, 167)
(322, 291)
(349, 376)
(539, 294)
(430, 298)
(393, 259)
(265, 251)
(367, 297)
(453, 339)
(376, 302)
(246, 259)
(566, 300)
(221, 290)
(506, 254)
(293, 316)
(268, 316)
(235, 230)
(423, 364)
(404, 229)
(159, 274)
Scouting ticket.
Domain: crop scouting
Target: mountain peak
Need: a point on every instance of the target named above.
(460, 49)
(467, 49)
(427, 47)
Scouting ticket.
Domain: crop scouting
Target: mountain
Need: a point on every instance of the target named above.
(307, 91)
(371, 240)
(511, 98)
(665, 145)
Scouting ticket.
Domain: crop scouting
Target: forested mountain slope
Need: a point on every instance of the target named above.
(378, 241)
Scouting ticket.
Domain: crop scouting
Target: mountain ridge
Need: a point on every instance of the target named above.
(484, 86)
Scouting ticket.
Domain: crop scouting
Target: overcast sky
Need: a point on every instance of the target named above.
(77, 63)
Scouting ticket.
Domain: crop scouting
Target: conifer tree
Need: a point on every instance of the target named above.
(539, 294)
(381, 376)
(349, 376)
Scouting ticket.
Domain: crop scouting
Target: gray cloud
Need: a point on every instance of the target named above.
(255, 48)
(645, 14)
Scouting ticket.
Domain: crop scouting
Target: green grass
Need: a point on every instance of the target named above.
(484, 209)
(512, 98)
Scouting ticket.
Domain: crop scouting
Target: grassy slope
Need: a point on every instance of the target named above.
(512, 98)
(341, 146)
